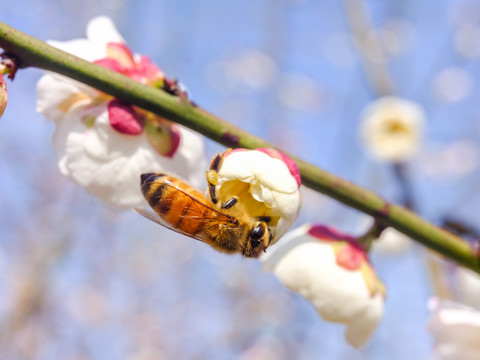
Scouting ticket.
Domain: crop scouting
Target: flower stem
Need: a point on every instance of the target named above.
(372, 234)
(36, 53)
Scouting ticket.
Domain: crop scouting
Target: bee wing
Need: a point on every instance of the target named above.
(153, 216)
(150, 215)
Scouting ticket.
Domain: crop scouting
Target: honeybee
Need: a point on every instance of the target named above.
(185, 210)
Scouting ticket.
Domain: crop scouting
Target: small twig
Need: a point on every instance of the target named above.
(372, 234)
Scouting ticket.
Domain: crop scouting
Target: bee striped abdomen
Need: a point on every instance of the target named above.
(153, 190)
(174, 202)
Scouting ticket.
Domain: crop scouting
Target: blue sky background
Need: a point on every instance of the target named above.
(108, 285)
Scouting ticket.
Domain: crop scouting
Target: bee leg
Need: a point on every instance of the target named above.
(211, 189)
(212, 177)
(212, 183)
(230, 202)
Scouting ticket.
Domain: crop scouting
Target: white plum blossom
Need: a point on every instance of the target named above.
(330, 270)
(266, 183)
(391, 128)
(455, 329)
(104, 144)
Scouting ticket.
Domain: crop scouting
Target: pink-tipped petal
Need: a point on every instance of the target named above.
(124, 118)
(121, 53)
(350, 257)
(328, 234)
(148, 70)
(286, 159)
(112, 64)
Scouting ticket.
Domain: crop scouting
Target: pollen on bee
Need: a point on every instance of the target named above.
(212, 177)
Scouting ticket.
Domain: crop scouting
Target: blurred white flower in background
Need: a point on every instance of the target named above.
(301, 92)
(453, 84)
(447, 161)
(104, 144)
(462, 12)
(266, 183)
(468, 287)
(391, 128)
(455, 329)
(396, 36)
(331, 271)
(467, 41)
(253, 68)
(250, 67)
(339, 49)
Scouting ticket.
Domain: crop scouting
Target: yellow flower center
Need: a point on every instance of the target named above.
(246, 203)
(395, 127)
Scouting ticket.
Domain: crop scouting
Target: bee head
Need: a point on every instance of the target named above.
(258, 240)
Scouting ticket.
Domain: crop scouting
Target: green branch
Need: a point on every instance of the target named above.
(36, 53)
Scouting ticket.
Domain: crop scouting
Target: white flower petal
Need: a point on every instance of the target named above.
(392, 241)
(101, 30)
(249, 165)
(57, 94)
(456, 330)
(189, 162)
(308, 266)
(81, 48)
(364, 325)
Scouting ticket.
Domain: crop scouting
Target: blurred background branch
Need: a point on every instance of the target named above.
(369, 47)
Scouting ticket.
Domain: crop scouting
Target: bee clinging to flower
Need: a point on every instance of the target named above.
(232, 217)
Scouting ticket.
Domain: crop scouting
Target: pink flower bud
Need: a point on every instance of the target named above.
(3, 94)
